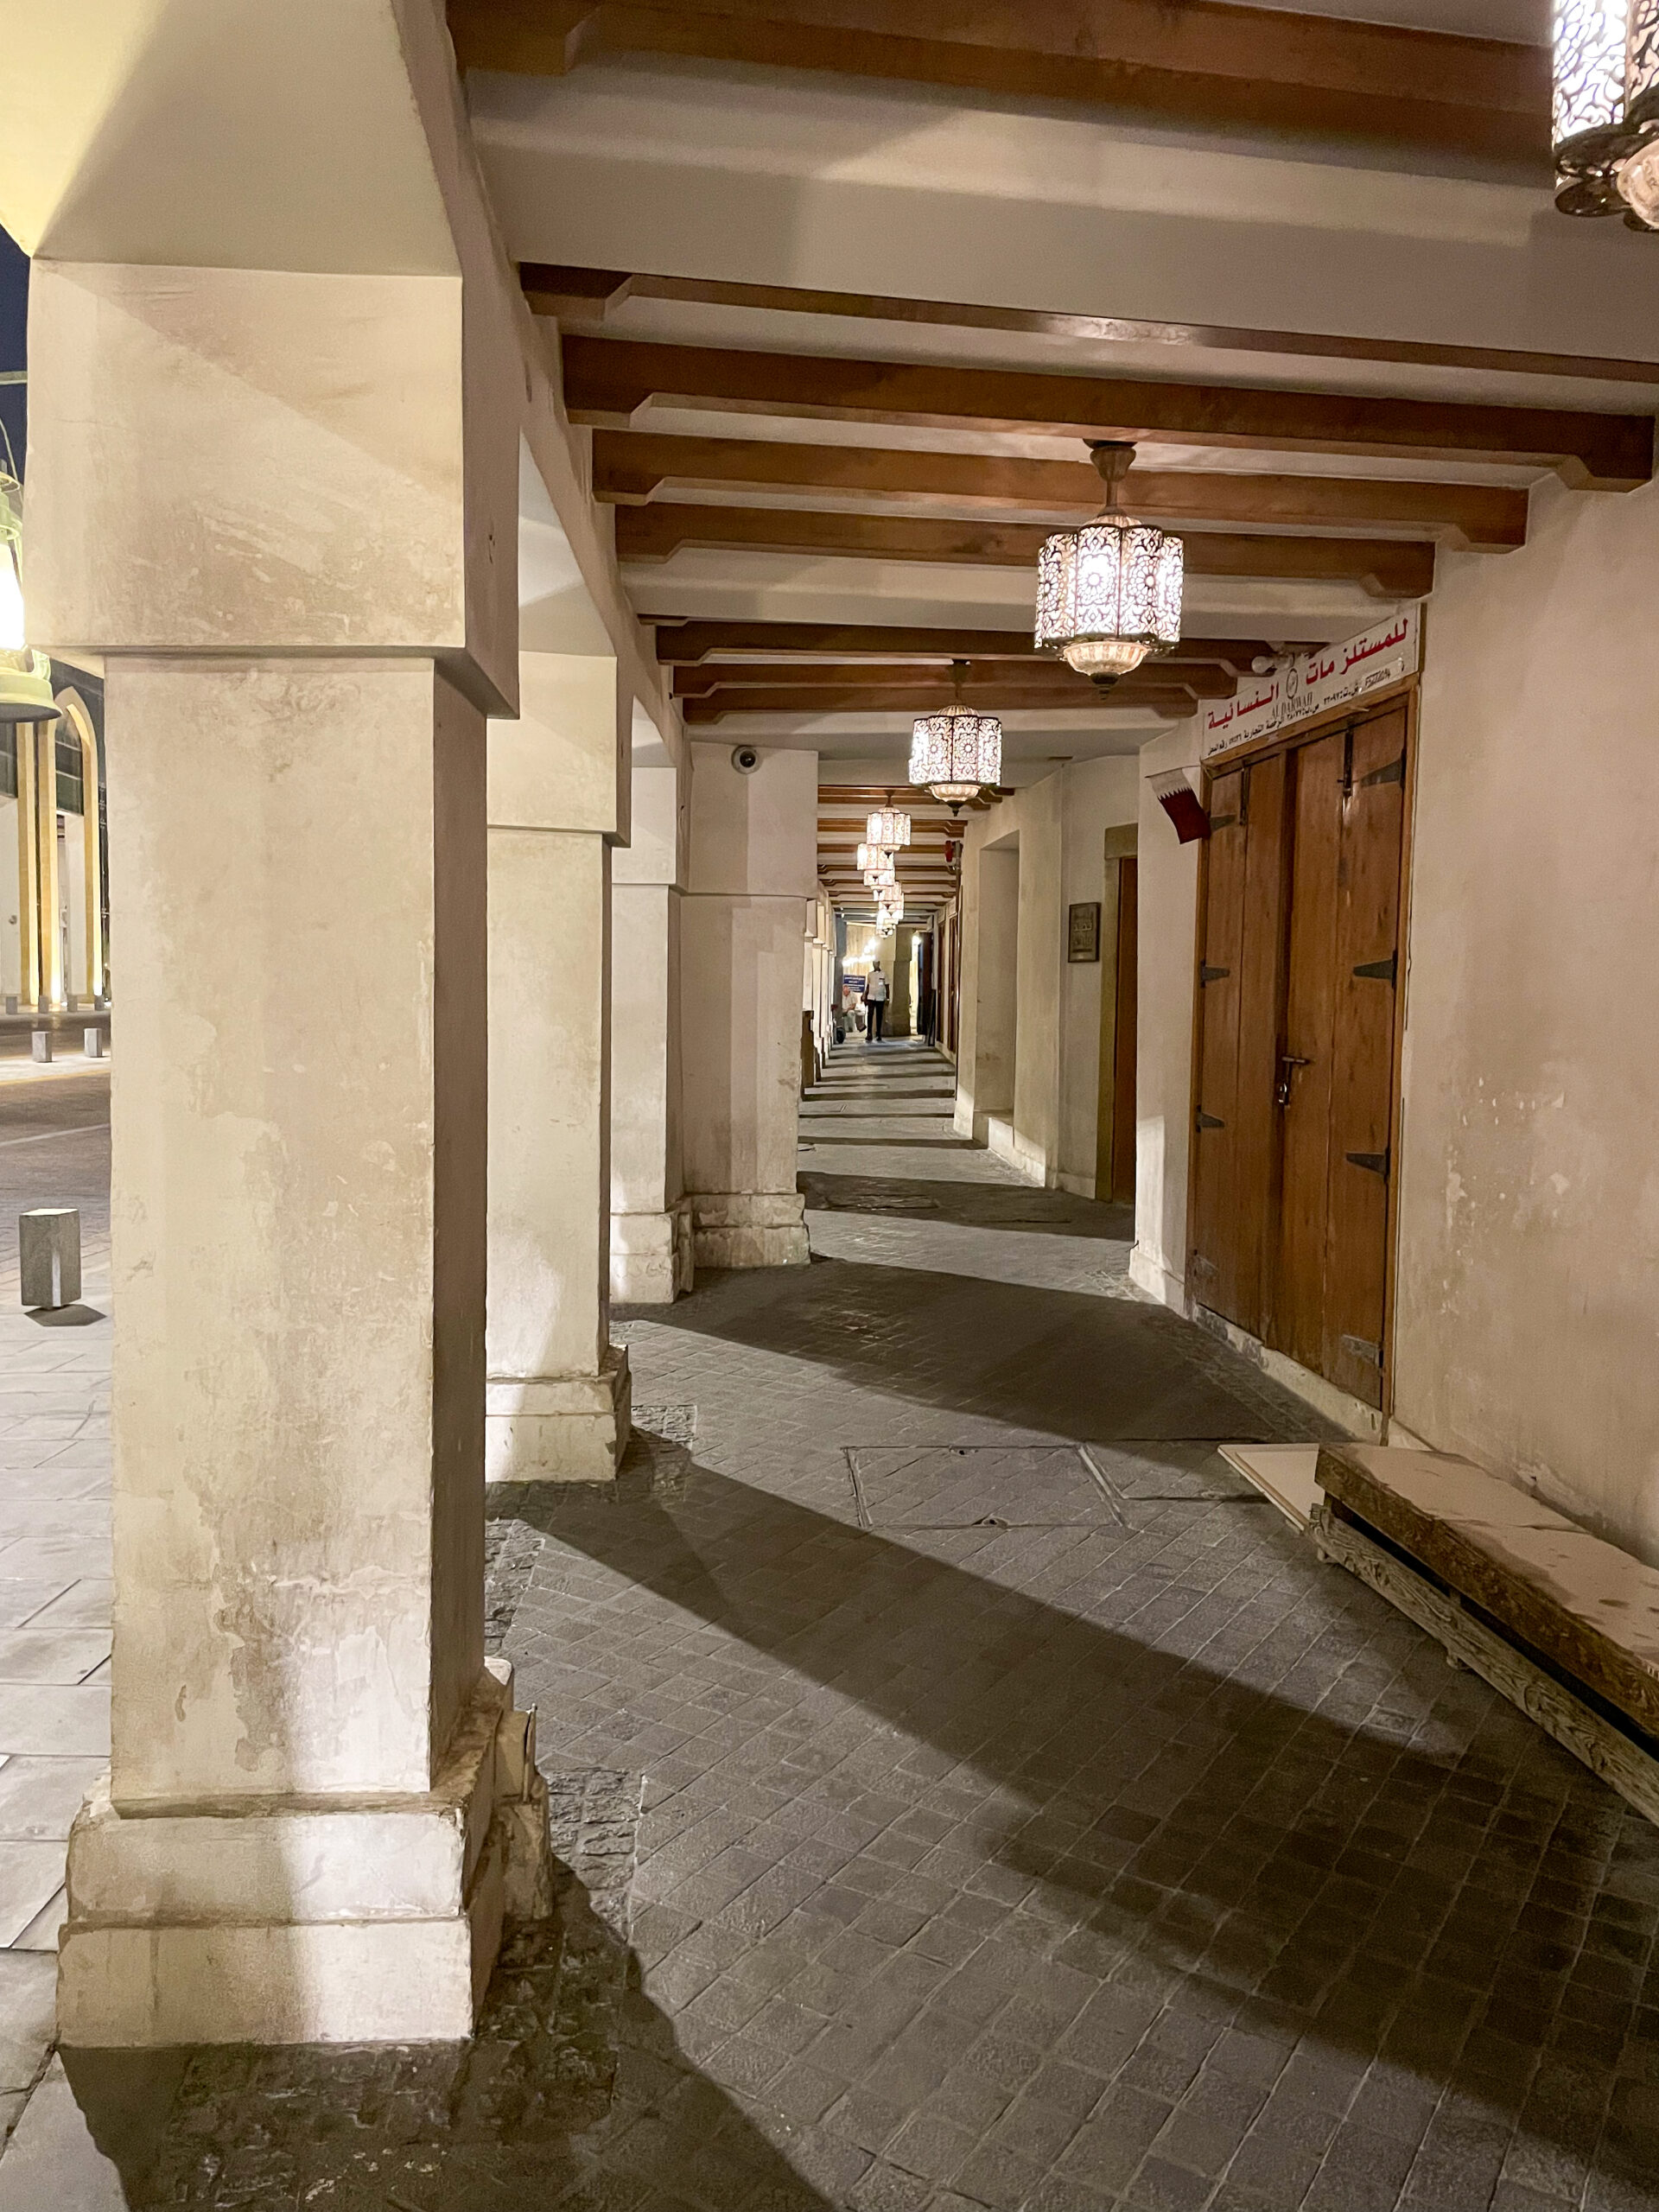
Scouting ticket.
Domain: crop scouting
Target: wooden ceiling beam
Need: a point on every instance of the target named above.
(685, 644)
(585, 296)
(631, 468)
(1041, 680)
(609, 380)
(1169, 698)
(1227, 67)
(1390, 568)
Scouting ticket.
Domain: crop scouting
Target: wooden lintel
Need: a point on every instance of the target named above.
(558, 290)
(631, 468)
(609, 380)
(1392, 569)
(1038, 680)
(562, 292)
(684, 644)
(908, 701)
(1226, 67)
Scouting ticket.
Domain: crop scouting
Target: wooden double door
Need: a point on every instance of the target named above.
(1298, 984)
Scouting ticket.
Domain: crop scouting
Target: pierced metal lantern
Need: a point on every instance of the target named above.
(957, 754)
(1110, 594)
(882, 878)
(888, 830)
(874, 856)
(1606, 109)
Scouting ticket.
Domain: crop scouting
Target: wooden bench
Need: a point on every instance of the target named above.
(1565, 1625)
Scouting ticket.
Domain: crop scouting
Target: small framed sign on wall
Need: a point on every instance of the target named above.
(1083, 936)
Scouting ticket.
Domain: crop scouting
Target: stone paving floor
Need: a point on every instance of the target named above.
(55, 1535)
(1027, 1819)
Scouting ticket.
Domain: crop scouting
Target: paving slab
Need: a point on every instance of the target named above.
(1120, 1866)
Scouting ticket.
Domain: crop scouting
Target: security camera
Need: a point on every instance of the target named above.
(745, 760)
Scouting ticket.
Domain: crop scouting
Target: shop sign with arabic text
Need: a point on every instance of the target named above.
(1313, 683)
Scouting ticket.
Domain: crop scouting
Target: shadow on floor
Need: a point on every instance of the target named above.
(1373, 1872)
(971, 1205)
(573, 2093)
(1061, 1362)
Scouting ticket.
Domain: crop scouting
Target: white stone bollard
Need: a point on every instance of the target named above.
(48, 1250)
(92, 1045)
(40, 1043)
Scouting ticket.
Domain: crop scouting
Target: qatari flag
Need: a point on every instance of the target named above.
(1182, 804)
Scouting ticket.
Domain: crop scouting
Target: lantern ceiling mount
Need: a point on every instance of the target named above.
(1605, 118)
(1110, 594)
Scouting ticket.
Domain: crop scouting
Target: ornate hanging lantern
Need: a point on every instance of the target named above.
(958, 753)
(874, 856)
(883, 877)
(1606, 109)
(25, 675)
(888, 830)
(1110, 594)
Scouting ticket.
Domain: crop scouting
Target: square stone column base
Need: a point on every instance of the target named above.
(749, 1229)
(651, 1259)
(282, 1921)
(558, 1429)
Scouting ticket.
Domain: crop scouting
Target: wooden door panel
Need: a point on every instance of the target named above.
(1362, 1105)
(1212, 1257)
(1295, 1321)
(1255, 1149)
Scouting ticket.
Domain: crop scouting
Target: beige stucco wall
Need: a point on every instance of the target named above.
(1058, 828)
(1167, 892)
(1529, 1259)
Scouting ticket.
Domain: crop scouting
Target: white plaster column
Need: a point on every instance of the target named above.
(557, 1396)
(652, 1260)
(754, 863)
(321, 1802)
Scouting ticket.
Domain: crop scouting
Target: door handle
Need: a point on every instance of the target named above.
(1289, 1063)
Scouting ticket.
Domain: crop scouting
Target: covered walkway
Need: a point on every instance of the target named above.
(975, 1795)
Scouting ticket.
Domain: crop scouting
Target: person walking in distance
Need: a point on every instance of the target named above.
(875, 999)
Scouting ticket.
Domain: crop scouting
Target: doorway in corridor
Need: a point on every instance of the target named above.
(997, 1009)
(1115, 1127)
(1297, 1045)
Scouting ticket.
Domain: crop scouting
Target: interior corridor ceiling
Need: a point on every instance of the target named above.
(843, 294)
